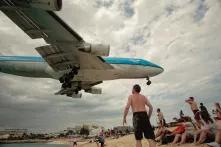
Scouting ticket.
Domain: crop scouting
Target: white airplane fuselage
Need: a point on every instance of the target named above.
(123, 68)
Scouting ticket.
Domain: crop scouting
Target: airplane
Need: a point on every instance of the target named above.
(66, 57)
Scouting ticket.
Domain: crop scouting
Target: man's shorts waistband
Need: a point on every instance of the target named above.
(140, 112)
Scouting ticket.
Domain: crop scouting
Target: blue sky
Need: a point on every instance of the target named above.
(181, 36)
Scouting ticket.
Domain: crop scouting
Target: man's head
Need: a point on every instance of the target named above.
(158, 110)
(190, 99)
(201, 104)
(136, 89)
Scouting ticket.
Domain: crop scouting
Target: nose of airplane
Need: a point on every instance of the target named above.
(156, 69)
(161, 70)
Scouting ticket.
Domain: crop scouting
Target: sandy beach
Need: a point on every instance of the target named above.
(128, 141)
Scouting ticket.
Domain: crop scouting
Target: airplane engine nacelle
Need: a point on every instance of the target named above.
(96, 49)
(94, 90)
(51, 5)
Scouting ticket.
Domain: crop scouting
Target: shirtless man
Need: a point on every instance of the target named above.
(195, 110)
(161, 125)
(141, 120)
(161, 118)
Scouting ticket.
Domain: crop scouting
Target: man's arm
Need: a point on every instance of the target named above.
(187, 101)
(126, 110)
(150, 107)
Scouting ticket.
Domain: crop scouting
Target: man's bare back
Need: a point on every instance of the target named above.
(137, 102)
(141, 122)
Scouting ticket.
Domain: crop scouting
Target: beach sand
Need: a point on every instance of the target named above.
(128, 141)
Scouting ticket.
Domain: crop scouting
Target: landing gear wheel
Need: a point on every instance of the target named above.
(76, 91)
(61, 79)
(148, 83)
(66, 85)
(79, 88)
(69, 85)
(75, 70)
(66, 78)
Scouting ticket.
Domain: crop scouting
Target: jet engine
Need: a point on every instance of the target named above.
(96, 49)
(94, 90)
(50, 5)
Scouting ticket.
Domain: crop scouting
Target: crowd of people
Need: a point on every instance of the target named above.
(204, 129)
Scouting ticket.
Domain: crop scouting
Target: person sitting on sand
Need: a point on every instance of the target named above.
(161, 125)
(141, 120)
(173, 136)
(177, 132)
(195, 110)
(161, 135)
(160, 132)
(188, 135)
(217, 142)
(205, 131)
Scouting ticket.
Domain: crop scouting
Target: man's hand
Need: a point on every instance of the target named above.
(124, 121)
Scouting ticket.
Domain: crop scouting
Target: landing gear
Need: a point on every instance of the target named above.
(66, 78)
(148, 81)
(76, 91)
(66, 85)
